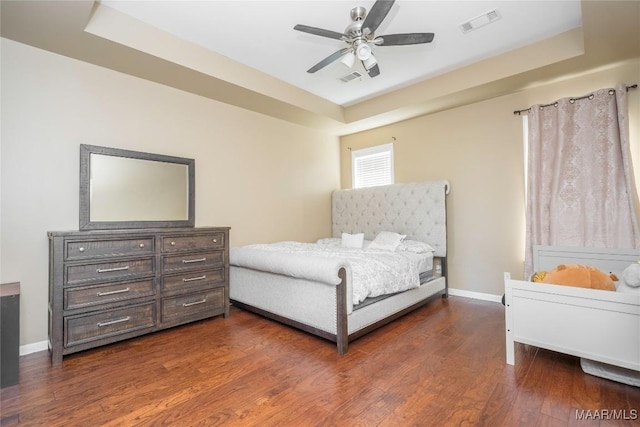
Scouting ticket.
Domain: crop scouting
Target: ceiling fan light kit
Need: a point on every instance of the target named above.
(360, 35)
(363, 51)
(349, 59)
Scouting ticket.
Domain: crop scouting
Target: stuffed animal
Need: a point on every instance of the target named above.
(630, 279)
(539, 276)
(581, 276)
(631, 275)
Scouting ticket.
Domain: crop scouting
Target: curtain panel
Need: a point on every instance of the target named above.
(580, 186)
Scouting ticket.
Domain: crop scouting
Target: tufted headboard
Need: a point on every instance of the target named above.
(416, 209)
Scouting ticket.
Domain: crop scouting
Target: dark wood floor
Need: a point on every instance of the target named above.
(442, 365)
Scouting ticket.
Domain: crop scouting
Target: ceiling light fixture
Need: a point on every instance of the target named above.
(349, 59)
(360, 37)
(363, 51)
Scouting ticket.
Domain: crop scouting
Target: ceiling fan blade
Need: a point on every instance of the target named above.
(373, 71)
(404, 39)
(376, 15)
(319, 32)
(328, 60)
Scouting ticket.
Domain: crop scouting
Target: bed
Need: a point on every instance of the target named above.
(600, 327)
(316, 293)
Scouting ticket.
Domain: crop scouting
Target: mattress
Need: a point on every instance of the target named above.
(371, 272)
(425, 277)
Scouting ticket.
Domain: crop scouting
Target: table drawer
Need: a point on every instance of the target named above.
(195, 261)
(88, 296)
(85, 328)
(101, 248)
(187, 305)
(201, 279)
(194, 242)
(104, 271)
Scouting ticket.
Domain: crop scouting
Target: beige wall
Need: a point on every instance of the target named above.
(478, 148)
(267, 179)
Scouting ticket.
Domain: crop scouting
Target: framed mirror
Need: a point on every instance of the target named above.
(131, 189)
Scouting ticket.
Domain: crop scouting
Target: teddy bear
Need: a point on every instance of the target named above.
(630, 278)
(582, 276)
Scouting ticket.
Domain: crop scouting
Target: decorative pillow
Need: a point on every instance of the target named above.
(387, 240)
(415, 247)
(352, 240)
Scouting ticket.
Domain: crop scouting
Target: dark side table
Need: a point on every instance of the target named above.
(9, 333)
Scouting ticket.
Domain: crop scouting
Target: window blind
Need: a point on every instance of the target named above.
(373, 166)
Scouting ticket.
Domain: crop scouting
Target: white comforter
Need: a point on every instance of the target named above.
(373, 272)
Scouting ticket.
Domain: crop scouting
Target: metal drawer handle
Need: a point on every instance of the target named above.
(113, 322)
(81, 249)
(187, 261)
(215, 240)
(194, 278)
(142, 245)
(189, 304)
(173, 243)
(107, 270)
(119, 291)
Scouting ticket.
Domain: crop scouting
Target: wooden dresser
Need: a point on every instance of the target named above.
(107, 286)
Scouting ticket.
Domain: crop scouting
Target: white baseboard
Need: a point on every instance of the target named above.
(34, 348)
(475, 295)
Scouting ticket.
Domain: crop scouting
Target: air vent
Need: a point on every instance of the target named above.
(350, 77)
(480, 21)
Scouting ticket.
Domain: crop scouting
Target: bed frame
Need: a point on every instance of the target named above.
(324, 308)
(601, 326)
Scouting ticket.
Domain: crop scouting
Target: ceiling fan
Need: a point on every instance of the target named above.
(360, 35)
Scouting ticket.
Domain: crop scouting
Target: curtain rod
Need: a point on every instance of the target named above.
(519, 112)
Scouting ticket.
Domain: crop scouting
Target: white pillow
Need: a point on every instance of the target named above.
(415, 247)
(386, 240)
(352, 240)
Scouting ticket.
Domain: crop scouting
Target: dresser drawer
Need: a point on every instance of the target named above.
(201, 279)
(101, 248)
(185, 306)
(86, 328)
(194, 242)
(195, 261)
(105, 271)
(88, 296)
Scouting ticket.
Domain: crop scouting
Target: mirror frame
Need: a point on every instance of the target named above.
(85, 196)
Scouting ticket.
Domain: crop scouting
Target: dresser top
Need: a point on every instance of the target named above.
(137, 231)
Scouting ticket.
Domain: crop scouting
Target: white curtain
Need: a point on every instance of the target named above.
(580, 189)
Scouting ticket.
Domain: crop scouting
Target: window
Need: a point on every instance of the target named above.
(372, 166)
